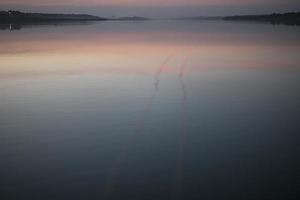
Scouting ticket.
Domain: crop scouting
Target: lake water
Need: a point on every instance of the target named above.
(149, 110)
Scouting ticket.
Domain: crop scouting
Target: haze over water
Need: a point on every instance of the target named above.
(150, 110)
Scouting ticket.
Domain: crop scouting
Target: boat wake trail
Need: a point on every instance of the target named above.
(160, 70)
(178, 186)
(114, 173)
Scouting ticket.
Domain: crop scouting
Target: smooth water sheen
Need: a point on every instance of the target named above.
(149, 110)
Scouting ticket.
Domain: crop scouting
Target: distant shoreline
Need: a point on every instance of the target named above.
(17, 17)
(292, 18)
(22, 17)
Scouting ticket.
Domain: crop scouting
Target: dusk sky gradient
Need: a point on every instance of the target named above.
(154, 8)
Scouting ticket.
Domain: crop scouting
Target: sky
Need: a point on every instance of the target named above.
(153, 8)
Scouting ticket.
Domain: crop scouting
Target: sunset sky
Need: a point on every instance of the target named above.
(154, 8)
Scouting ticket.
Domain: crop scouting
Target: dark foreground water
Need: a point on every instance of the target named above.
(149, 110)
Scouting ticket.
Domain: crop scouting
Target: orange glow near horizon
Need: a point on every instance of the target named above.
(138, 48)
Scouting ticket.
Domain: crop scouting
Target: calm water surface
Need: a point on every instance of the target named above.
(150, 110)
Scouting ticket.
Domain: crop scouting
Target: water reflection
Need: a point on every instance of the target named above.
(19, 26)
(158, 109)
(102, 45)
